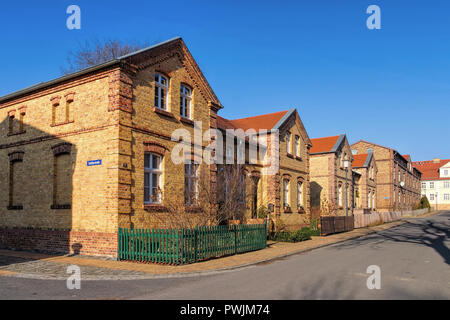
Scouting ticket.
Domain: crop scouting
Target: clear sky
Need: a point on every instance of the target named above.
(389, 86)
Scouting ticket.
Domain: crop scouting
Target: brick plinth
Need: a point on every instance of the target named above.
(59, 241)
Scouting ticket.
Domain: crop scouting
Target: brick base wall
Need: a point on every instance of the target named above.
(59, 241)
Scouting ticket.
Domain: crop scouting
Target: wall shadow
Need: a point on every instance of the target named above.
(36, 195)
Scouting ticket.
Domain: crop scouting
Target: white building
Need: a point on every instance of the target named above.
(436, 182)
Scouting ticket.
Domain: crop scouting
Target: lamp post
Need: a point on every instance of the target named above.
(346, 187)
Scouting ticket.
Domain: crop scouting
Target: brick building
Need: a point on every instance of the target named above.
(288, 187)
(331, 182)
(87, 153)
(435, 182)
(366, 185)
(398, 182)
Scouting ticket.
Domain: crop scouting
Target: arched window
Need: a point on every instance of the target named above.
(161, 90)
(373, 200)
(286, 198)
(369, 199)
(299, 194)
(62, 176)
(152, 178)
(340, 195)
(185, 101)
(190, 183)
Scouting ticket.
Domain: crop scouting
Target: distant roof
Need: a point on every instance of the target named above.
(265, 121)
(379, 145)
(359, 160)
(430, 169)
(407, 157)
(326, 144)
(100, 66)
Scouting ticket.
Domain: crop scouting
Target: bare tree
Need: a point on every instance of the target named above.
(206, 206)
(95, 52)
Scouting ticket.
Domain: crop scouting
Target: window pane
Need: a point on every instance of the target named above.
(147, 160)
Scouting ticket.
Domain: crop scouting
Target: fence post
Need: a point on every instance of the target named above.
(196, 244)
(235, 239)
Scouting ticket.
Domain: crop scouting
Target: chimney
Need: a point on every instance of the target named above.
(436, 160)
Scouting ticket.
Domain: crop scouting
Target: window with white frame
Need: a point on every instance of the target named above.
(373, 200)
(340, 195)
(286, 198)
(299, 194)
(445, 172)
(185, 101)
(152, 178)
(424, 185)
(369, 199)
(288, 143)
(446, 184)
(446, 196)
(161, 90)
(297, 146)
(190, 183)
(431, 185)
(432, 196)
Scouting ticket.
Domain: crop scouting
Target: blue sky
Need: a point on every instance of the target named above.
(388, 86)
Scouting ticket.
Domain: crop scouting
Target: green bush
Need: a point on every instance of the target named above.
(293, 236)
(424, 203)
(314, 226)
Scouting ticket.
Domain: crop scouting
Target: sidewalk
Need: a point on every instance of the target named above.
(42, 266)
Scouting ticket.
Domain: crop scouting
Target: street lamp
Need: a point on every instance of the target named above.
(346, 163)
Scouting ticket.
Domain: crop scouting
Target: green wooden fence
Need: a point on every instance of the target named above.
(183, 246)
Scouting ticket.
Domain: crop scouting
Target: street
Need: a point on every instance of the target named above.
(413, 258)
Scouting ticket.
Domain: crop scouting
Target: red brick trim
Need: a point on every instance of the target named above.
(69, 96)
(155, 147)
(16, 156)
(55, 100)
(152, 207)
(61, 148)
(22, 109)
(12, 113)
(61, 123)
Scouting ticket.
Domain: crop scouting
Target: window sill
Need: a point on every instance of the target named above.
(193, 208)
(163, 112)
(60, 206)
(186, 120)
(16, 133)
(301, 210)
(298, 158)
(287, 210)
(61, 123)
(289, 155)
(15, 207)
(154, 207)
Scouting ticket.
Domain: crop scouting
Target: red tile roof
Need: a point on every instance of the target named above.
(406, 156)
(430, 169)
(324, 144)
(359, 160)
(264, 121)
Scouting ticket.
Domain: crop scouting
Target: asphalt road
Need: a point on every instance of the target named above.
(414, 260)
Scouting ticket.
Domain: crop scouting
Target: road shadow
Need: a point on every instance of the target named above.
(431, 233)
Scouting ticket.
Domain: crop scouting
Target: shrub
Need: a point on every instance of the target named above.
(424, 203)
(314, 226)
(293, 236)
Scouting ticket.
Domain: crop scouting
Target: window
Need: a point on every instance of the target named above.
(16, 180)
(432, 196)
(373, 200)
(340, 196)
(286, 199)
(288, 143)
(11, 123)
(242, 187)
(152, 178)
(297, 146)
(62, 176)
(190, 183)
(431, 185)
(445, 172)
(369, 150)
(424, 185)
(299, 194)
(161, 89)
(369, 199)
(446, 196)
(185, 101)
(446, 184)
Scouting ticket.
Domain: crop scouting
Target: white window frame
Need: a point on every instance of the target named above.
(446, 184)
(431, 196)
(446, 196)
(185, 101)
(424, 185)
(191, 184)
(340, 202)
(148, 190)
(369, 199)
(299, 194)
(288, 143)
(431, 185)
(297, 145)
(286, 195)
(161, 91)
(374, 200)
